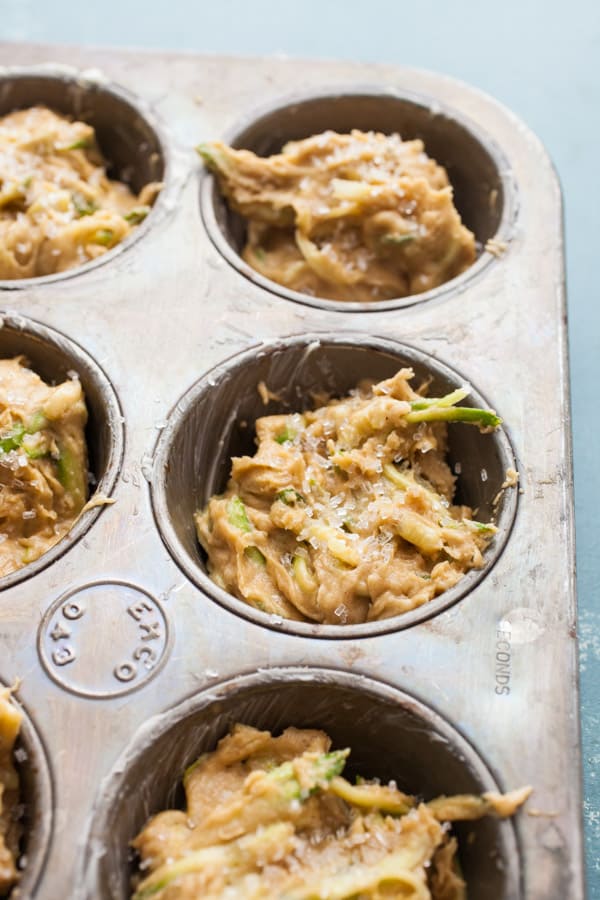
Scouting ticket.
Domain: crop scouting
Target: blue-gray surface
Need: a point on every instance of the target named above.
(540, 58)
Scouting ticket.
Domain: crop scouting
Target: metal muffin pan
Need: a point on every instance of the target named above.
(120, 642)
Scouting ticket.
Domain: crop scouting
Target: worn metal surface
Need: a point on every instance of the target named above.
(167, 309)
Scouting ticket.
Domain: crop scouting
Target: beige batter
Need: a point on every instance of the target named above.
(361, 216)
(10, 832)
(58, 208)
(272, 818)
(344, 514)
(43, 462)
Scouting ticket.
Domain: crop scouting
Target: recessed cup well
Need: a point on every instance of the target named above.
(192, 459)
(128, 136)
(55, 357)
(37, 801)
(391, 735)
(477, 169)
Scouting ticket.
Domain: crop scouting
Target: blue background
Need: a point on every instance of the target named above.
(540, 58)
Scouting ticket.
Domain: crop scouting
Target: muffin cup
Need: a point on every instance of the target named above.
(392, 736)
(214, 421)
(128, 136)
(54, 357)
(37, 804)
(484, 191)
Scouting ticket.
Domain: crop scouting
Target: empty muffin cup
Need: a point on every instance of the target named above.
(36, 806)
(56, 358)
(391, 734)
(483, 188)
(128, 137)
(214, 421)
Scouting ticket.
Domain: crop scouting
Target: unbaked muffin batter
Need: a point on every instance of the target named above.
(361, 216)
(272, 817)
(10, 832)
(58, 208)
(345, 513)
(43, 462)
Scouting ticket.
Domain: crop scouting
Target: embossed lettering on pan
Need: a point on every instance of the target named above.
(104, 639)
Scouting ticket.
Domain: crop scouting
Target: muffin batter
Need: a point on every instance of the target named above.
(270, 817)
(10, 723)
(58, 208)
(43, 462)
(345, 514)
(361, 216)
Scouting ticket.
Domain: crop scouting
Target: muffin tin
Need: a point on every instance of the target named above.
(132, 661)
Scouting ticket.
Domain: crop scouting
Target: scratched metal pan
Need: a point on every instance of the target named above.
(129, 655)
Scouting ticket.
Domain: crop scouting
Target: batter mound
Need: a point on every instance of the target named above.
(359, 217)
(272, 817)
(58, 208)
(345, 513)
(10, 831)
(43, 462)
